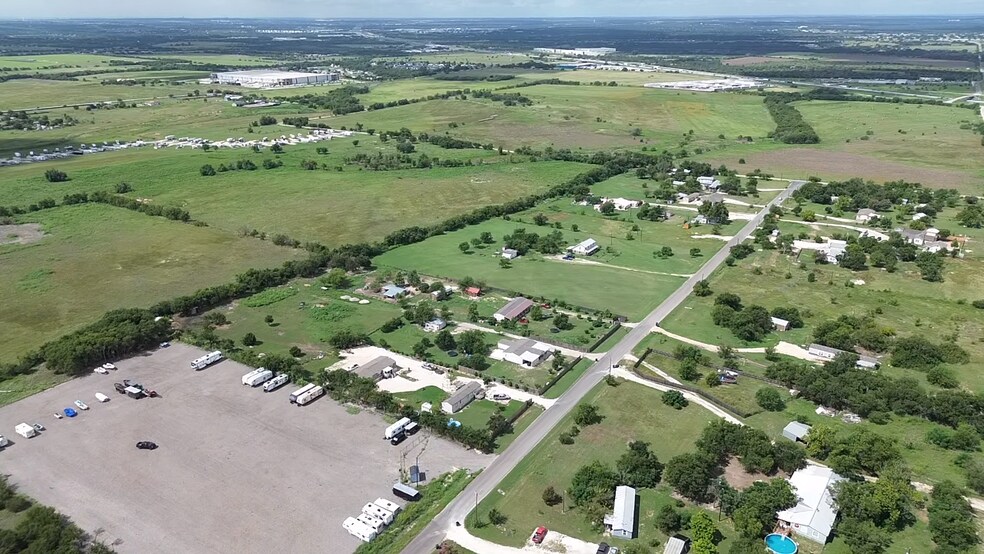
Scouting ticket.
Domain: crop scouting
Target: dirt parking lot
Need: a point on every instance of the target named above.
(238, 470)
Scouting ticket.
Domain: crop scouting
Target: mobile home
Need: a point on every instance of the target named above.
(396, 428)
(388, 505)
(358, 529)
(276, 382)
(310, 395)
(406, 492)
(371, 522)
(301, 391)
(25, 430)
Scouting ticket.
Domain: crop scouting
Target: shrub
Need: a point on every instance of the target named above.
(770, 399)
(55, 176)
(675, 399)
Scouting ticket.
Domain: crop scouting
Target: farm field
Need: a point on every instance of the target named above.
(84, 265)
(26, 94)
(60, 62)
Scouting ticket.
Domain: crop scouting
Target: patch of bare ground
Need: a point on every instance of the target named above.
(20, 234)
(739, 478)
(749, 60)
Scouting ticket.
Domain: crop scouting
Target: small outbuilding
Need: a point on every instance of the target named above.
(510, 253)
(677, 544)
(796, 431)
(461, 397)
(435, 325)
(586, 247)
(781, 324)
(378, 368)
(473, 292)
(393, 292)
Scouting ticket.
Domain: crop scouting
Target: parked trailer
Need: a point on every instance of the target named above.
(301, 391)
(406, 492)
(358, 529)
(276, 382)
(310, 395)
(396, 428)
(257, 377)
(371, 522)
(381, 513)
(388, 505)
(102, 397)
(25, 430)
(208, 359)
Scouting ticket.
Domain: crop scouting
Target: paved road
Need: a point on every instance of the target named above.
(486, 482)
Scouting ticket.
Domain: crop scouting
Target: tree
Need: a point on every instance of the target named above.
(562, 321)
(864, 536)
(498, 425)
(536, 312)
(703, 531)
(295, 351)
(668, 519)
(690, 474)
(702, 288)
(473, 342)
(951, 519)
(591, 482)
(551, 497)
(420, 313)
(391, 325)
(445, 340)
(249, 339)
(758, 504)
(607, 208)
(55, 176)
(675, 399)
(587, 414)
(639, 467)
(688, 370)
(770, 399)
(268, 319)
(540, 219)
(496, 517)
(464, 247)
(336, 278)
(694, 252)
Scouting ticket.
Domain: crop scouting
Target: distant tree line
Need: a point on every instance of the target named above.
(339, 101)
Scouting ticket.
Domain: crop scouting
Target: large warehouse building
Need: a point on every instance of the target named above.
(270, 78)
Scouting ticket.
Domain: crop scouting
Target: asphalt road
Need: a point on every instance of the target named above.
(486, 482)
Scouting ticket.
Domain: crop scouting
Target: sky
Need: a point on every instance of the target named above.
(477, 8)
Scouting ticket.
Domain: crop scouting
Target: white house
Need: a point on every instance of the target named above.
(781, 324)
(586, 247)
(621, 204)
(435, 325)
(830, 248)
(824, 352)
(510, 253)
(865, 215)
(461, 397)
(814, 514)
(621, 522)
(522, 352)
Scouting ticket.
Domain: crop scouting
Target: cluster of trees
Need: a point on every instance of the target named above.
(715, 212)
(871, 511)
(55, 176)
(651, 213)
(856, 194)
(402, 160)
(102, 197)
(791, 128)
(44, 530)
(951, 519)
(523, 242)
(751, 323)
(972, 215)
(20, 120)
(592, 488)
(339, 101)
(208, 170)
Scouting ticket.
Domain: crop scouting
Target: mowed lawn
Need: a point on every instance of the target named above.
(629, 293)
(94, 258)
(631, 412)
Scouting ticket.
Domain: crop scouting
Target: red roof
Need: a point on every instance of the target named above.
(474, 291)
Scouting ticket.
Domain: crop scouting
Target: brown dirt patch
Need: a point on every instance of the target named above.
(20, 234)
(829, 164)
(749, 60)
(737, 477)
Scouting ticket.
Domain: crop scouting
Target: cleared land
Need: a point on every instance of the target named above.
(258, 450)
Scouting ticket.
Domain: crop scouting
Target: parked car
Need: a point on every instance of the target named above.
(70, 412)
(109, 366)
(38, 427)
(58, 415)
(119, 388)
(165, 344)
(146, 445)
(81, 405)
(602, 548)
(539, 534)
(101, 370)
(501, 396)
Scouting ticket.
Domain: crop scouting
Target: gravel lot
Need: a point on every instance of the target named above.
(238, 470)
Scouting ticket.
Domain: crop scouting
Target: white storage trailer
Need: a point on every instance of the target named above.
(396, 428)
(25, 430)
(371, 522)
(257, 377)
(276, 382)
(358, 529)
(310, 395)
(301, 391)
(381, 513)
(388, 505)
(102, 397)
(206, 360)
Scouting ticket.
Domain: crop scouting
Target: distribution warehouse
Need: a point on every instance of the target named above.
(271, 78)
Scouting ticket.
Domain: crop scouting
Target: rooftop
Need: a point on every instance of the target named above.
(515, 308)
(797, 429)
(465, 391)
(623, 516)
(374, 366)
(816, 508)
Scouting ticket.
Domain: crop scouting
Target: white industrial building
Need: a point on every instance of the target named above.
(592, 52)
(263, 78)
(522, 352)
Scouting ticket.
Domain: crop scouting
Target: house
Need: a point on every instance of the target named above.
(441, 291)
(435, 325)
(510, 253)
(781, 324)
(796, 431)
(814, 514)
(621, 522)
(880, 237)
(473, 292)
(699, 220)
(919, 215)
(867, 362)
(621, 204)
(821, 351)
(677, 544)
(522, 352)
(515, 309)
(715, 198)
(831, 249)
(928, 240)
(461, 397)
(378, 368)
(586, 247)
(865, 215)
(393, 292)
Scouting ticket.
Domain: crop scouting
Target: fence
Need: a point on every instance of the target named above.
(694, 390)
(559, 375)
(718, 368)
(601, 340)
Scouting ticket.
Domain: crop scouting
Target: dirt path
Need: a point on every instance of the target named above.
(558, 258)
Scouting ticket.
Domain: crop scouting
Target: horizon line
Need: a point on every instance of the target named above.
(482, 18)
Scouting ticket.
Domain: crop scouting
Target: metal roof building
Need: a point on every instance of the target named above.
(796, 431)
(621, 521)
(377, 368)
(461, 397)
(514, 309)
(814, 514)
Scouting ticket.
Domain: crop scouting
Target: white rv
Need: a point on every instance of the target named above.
(371, 522)
(303, 390)
(276, 382)
(387, 505)
(25, 430)
(257, 377)
(381, 513)
(310, 395)
(358, 529)
(396, 428)
(206, 360)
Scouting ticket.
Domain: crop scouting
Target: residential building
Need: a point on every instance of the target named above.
(865, 215)
(928, 240)
(830, 248)
(714, 198)
(880, 237)
(821, 351)
(515, 309)
(621, 522)
(435, 325)
(677, 544)
(522, 352)
(621, 204)
(378, 368)
(393, 292)
(474, 292)
(814, 514)
(586, 247)
(796, 431)
(781, 324)
(510, 253)
(867, 362)
(461, 397)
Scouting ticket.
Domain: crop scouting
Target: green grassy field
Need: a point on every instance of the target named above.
(568, 380)
(94, 258)
(26, 94)
(61, 62)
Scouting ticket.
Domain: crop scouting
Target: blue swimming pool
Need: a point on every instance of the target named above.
(781, 544)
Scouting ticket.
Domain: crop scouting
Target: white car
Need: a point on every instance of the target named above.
(109, 366)
(101, 370)
(58, 415)
(81, 405)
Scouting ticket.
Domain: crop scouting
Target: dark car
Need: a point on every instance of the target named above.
(120, 388)
(398, 438)
(602, 548)
(146, 445)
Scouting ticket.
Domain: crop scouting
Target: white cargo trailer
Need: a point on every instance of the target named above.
(276, 382)
(388, 505)
(371, 522)
(381, 513)
(257, 377)
(310, 395)
(25, 430)
(303, 390)
(206, 360)
(396, 428)
(358, 529)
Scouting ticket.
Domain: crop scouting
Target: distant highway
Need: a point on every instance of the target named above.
(486, 482)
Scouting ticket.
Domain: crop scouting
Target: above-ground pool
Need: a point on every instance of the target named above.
(781, 544)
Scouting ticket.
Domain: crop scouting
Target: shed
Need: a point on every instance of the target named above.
(516, 308)
(586, 247)
(621, 522)
(867, 362)
(510, 253)
(393, 291)
(461, 397)
(824, 352)
(677, 544)
(377, 368)
(780, 324)
(473, 291)
(796, 431)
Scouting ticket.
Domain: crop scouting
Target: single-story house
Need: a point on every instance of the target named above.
(586, 247)
(814, 514)
(435, 325)
(522, 352)
(515, 309)
(474, 292)
(701, 219)
(437, 293)
(796, 431)
(831, 249)
(461, 397)
(825, 352)
(378, 368)
(715, 198)
(880, 237)
(621, 204)
(865, 215)
(919, 215)
(781, 324)
(510, 253)
(392, 291)
(677, 544)
(868, 362)
(621, 522)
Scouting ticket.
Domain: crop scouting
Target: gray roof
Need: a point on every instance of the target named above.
(826, 349)
(623, 517)
(393, 290)
(796, 429)
(465, 392)
(515, 308)
(521, 346)
(677, 544)
(374, 367)
(868, 360)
